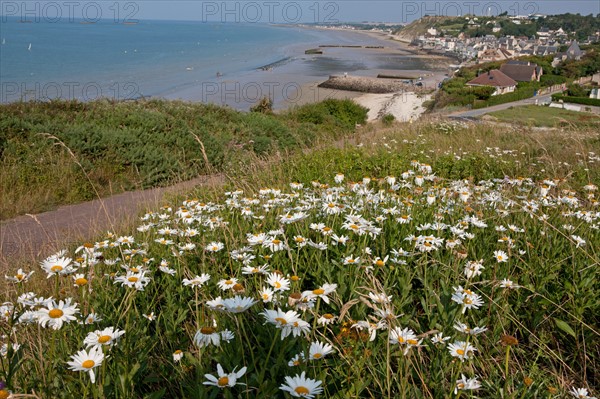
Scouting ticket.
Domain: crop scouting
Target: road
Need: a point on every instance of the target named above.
(546, 98)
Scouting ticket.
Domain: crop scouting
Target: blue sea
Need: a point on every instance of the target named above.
(226, 63)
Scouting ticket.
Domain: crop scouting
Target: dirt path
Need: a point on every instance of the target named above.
(29, 237)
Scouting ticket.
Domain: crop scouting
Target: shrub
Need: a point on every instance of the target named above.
(577, 100)
(388, 119)
(575, 90)
(342, 113)
(264, 106)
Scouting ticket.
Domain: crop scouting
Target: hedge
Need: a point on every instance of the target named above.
(576, 100)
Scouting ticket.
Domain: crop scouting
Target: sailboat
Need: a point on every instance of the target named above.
(29, 48)
(3, 41)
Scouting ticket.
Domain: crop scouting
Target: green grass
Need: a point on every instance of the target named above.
(62, 152)
(487, 188)
(541, 116)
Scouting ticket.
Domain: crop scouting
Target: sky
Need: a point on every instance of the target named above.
(284, 11)
(313, 11)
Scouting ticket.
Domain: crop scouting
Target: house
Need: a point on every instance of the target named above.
(522, 71)
(495, 78)
(544, 50)
(543, 32)
(432, 31)
(595, 93)
(572, 53)
(497, 28)
(472, 24)
(489, 55)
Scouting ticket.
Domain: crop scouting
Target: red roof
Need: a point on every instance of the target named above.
(492, 78)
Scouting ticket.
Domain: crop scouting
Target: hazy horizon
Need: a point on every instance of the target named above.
(268, 11)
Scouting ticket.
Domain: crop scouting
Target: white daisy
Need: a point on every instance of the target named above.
(224, 380)
(87, 361)
(55, 314)
(301, 387)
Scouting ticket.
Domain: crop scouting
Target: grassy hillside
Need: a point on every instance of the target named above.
(46, 147)
(432, 260)
(577, 26)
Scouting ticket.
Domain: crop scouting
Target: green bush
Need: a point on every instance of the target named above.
(577, 100)
(551, 80)
(388, 119)
(519, 94)
(264, 105)
(343, 113)
(575, 90)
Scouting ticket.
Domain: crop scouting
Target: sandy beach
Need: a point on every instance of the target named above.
(403, 97)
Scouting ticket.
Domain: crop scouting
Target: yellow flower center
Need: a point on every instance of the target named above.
(299, 239)
(81, 281)
(265, 296)
(412, 341)
(177, 352)
(319, 291)
(277, 284)
(133, 279)
(300, 390)
(228, 282)
(4, 394)
(401, 340)
(103, 339)
(326, 229)
(88, 364)
(380, 263)
(318, 355)
(281, 320)
(207, 330)
(467, 301)
(460, 351)
(294, 278)
(328, 316)
(134, 269)
(276, 242)
(223, 381)
(56, 268)
(55, 313)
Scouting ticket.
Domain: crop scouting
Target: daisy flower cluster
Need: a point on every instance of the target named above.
(300, 291)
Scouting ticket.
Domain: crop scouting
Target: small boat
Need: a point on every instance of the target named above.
(3, 41)
(219, 74)
(189, 68)
(29, 48)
